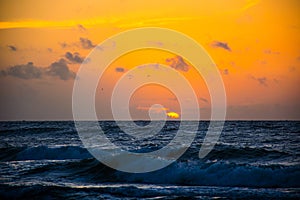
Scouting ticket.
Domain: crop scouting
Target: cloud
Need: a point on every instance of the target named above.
(153, 108)
(63, 45)
(61, 70)
(25, 71)
(119, 69)
(249, 4)
(261, 80)
(178, 63)
(203, 99)
(269, 51)
(221, 45)
(86, 43)
(225, 71)
(58, 69)
(74, 58)
(12, 48)
(81, 28)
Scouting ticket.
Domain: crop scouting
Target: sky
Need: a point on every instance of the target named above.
(254, 44)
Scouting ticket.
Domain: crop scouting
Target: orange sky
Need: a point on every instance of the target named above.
(255, 45)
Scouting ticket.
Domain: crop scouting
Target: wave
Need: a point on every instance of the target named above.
(232, 152)
(220, 152)
(44, 153)
(193, 173)
(182, 172)
(134, 191)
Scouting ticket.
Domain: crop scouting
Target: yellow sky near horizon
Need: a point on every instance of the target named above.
(255, 45)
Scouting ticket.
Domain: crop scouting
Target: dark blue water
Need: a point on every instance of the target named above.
(252, 159)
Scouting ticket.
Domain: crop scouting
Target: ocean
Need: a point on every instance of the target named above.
(252, 159)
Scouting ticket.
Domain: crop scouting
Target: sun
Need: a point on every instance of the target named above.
(173, 115)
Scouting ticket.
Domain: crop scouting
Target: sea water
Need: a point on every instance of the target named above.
(252, 159)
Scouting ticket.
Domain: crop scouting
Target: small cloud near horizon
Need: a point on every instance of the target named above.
(203, 99)
(261, 80)
(178, 63)
(155, 109)
(28, 71)
(81, 28)
(86, 43)
(119, 69)
(226, 72)
(74, 57)
(12, 47)
(223, 45)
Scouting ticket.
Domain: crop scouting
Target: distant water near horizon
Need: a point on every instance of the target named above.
(252, 159)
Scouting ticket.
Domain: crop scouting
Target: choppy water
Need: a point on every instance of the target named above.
(252, 159)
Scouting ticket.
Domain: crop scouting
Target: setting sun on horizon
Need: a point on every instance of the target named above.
(173, 115)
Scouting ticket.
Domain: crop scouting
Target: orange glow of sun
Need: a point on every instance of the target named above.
(173, 115)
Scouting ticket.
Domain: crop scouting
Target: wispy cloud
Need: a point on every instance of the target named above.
(153, 21)
(269, 51)
(116, 22)
(12, 48)
(222, 45)
(263, 81)
(119, 69)
(178, 63)
(55, 24)
(155, 109)
(81, 28)
(203, 99)
(249, 4)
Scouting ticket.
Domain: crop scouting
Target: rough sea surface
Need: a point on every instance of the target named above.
(252, 159)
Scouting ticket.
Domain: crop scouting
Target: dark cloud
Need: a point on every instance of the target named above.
(61, 70)
(81, 28)
(58, 69)
(178, 63)
(221, 45)
(49, 49)
(27, 71)
(12, 48)
(74, 58)
(261, 80)
(63, 45)
(86, 43)
(203, 99)
(120, 69)
(269, 51)
(225, 71)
